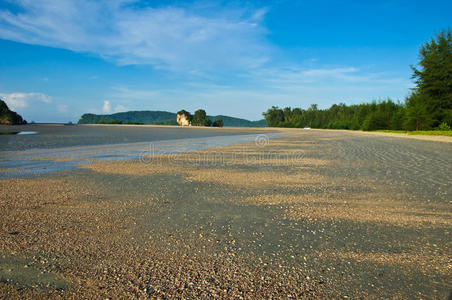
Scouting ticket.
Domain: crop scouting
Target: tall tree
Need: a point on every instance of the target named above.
(417, 117)
(434, 79)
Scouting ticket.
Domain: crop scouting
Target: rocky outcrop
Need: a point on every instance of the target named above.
(184, 118)
(8, 117)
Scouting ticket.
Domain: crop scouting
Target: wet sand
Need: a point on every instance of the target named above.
(315, 214)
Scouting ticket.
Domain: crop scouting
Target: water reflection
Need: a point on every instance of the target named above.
(17, 132)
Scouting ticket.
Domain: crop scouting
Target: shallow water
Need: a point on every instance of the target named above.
(42, 161)
(51, 136)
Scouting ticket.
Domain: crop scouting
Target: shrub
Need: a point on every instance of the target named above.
(443, 127)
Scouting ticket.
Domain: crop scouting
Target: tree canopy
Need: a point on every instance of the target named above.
(431, 101)
(368, 116)
(200, 118)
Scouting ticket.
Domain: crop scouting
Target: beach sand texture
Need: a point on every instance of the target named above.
(314, 214)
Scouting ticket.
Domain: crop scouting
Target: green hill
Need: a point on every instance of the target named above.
(237, 122)
(145, 117)
(9, 117)
(160, 118)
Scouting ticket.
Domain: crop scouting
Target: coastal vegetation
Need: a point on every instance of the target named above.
(9, 117)
(200, 118)
(163, 118)
(428, 107)
(217, 123)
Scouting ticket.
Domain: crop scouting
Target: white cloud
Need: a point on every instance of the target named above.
(22, 100)
(106, 109)
(39, 107)
(166, 37)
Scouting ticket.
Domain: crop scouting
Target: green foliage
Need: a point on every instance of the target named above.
(217, 123)
(133, 123)
(145, 117)
(200, 118)
(443, 127)
(166, 122)
(164, 118)
(417, 117)
(237, 122)
(433, 94)
(275, 117)
(368, 116)
(8, 117)
(109, 121)
(428, 106)
(183, 112)
(372, 122)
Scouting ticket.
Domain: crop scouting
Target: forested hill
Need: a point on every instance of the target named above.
(160, 118)
(237, 122)
(145, 117)
(9, 117)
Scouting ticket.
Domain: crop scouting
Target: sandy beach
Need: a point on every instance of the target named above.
(310, 214)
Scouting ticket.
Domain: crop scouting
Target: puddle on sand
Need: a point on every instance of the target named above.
(18, 132)
(26, 273)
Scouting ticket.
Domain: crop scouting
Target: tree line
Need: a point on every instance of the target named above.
(429, 106)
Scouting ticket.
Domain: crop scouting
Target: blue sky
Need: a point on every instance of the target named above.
(62, 58)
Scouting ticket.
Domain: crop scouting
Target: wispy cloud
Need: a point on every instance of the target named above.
(165, 37)
(242, 73)
(330, 78)
(295, 87)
